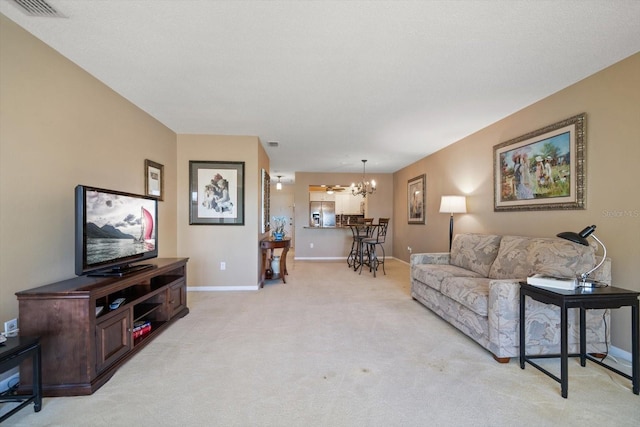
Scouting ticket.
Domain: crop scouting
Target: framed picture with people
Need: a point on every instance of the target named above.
(216, 193)
(542, 170)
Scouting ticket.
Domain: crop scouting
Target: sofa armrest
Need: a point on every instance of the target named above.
(429, 258)
(603, 274)
(504, 314)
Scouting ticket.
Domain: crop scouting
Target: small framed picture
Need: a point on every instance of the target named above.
(154, 179)
(216, 193)
(415, 200)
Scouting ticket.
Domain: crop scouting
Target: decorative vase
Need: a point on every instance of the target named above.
(278, 236)
(275, 266)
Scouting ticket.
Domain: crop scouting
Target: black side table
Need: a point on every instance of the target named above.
(583, 298)
(13, 352)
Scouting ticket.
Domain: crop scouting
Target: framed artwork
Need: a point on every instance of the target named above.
(416, 200)
(154, 179)
(266, 201)
(542, 170)
(216, 193)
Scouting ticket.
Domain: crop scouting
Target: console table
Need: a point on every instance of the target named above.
(83, 340)
(584, 299)
(12, 353)
(269, 244)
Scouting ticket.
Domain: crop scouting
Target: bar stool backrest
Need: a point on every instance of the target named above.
(383, 224)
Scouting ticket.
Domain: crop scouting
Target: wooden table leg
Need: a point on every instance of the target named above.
(264, 267)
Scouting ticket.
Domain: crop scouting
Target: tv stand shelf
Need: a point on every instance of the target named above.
(82, 350)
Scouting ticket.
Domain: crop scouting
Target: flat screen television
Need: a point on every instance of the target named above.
(114, 230)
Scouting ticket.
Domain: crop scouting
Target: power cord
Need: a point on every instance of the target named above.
(606, 342)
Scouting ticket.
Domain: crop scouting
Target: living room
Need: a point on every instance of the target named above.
(62, 127)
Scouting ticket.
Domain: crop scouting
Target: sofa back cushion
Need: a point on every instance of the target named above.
(475, 252)
(521, 257)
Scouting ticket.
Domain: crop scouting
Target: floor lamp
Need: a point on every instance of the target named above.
(451, 205)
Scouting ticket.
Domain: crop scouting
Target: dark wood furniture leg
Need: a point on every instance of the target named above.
(635, 348)
(564, 352)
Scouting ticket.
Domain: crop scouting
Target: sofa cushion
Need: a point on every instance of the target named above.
(432, 275)
(475, 252)
(520, 257)
(471, 292)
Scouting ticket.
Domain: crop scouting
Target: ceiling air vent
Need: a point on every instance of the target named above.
(38, 8)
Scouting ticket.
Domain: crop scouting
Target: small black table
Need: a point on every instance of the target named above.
(13, 352)
(583, 298)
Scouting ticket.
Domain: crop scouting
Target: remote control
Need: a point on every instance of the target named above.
(117, 303)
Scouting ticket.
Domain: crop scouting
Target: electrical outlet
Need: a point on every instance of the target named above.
(223, 265)
(311, 245)
(409, 249)
(10, 327)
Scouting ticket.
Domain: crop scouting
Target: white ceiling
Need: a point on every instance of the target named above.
(335, 82)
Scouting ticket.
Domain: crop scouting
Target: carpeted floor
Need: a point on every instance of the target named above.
(332, 348)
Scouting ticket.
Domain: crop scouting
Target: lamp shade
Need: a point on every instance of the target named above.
(580, 238)
(453, 204)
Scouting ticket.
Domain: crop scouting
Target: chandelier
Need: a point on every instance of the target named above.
(364, 187)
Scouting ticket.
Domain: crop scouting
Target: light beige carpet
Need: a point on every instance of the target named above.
(332, 348)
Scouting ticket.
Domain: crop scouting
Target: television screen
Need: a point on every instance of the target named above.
(114, 229)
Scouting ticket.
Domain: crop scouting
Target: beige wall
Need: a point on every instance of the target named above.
(209, 245)
(60, 127)
(611, 100)
(335, 243)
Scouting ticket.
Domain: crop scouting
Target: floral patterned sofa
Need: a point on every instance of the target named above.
(475, 288)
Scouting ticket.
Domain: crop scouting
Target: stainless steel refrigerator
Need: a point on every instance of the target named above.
(322, 214)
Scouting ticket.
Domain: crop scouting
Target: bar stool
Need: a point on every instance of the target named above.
(361, 230)
(372, 242)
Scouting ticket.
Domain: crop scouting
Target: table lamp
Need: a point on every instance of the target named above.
(581, 238)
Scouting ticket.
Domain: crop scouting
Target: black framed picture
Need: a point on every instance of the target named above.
(216, 193)
(266, 195)
(154, 179)
(416, 200)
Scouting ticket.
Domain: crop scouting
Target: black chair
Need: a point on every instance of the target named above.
(371, 243)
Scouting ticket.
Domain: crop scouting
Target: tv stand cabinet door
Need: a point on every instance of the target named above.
(177, 298)
(113, 339)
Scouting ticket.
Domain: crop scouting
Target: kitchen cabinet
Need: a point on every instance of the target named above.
(348, 204)
(321, 196)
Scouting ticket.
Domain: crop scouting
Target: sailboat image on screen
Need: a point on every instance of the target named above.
(146, 222)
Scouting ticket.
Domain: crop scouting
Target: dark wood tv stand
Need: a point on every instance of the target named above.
(82, 350)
